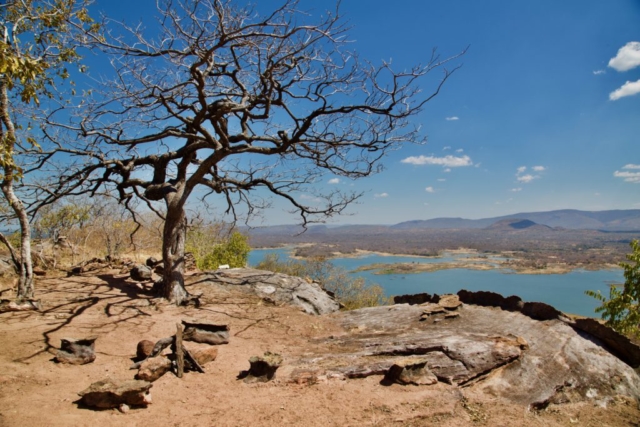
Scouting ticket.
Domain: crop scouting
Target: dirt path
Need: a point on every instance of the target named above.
(35, 391)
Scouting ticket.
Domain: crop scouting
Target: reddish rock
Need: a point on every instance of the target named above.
(144, 349)
(153, 368)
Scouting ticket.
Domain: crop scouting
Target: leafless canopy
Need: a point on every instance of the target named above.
(222, 97)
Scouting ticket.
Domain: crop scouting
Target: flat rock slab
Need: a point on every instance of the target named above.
(111, 394)
(504, 353)
(279, 288)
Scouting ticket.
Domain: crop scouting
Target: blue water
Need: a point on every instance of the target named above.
(563, 291)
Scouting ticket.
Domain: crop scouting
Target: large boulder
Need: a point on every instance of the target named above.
(278, 288)
(503, 353)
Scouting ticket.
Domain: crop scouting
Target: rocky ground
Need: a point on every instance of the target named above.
(314, 385)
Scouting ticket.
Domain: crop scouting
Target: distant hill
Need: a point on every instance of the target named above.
(517, 224)
(613, 220)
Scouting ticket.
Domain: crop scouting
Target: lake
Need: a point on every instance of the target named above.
(563, 291)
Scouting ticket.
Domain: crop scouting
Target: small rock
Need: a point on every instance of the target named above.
(410, 371)
(451, 315)
(76, 351)
(111, 394)
(153, 368)
(152, 262)
(204, 355)
(263, 368)
(205, 332)
(124, 408)
(140, 273)
(450, 302)
(144, 349)
(431, 308)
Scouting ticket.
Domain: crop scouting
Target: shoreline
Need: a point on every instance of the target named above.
(496, 261)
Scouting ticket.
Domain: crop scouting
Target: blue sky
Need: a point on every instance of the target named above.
(542, 115)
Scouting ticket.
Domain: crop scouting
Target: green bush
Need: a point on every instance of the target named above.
(211, 250)
(351, 292)
(622, 309)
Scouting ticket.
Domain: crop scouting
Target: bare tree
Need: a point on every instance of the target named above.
(238, 104)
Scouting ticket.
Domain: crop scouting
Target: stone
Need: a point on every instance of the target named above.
(450, 302)
(280, 288)
(152, 262)
(76, 351)
(153, 368)
(205, 332)
(141, 273)
(263, 368)
(614, 342)
(430, 309)
(144, 349)
(21, 305)
(410, 371)
(111, 394)
(204, 355)
(503, 353)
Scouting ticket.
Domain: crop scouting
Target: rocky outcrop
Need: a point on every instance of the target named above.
(501, 352)
(277, 288)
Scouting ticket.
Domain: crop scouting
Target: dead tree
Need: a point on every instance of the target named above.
(241, 105)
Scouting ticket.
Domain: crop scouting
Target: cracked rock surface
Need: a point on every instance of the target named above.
(502, 353)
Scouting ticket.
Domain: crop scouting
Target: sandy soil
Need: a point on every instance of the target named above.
(35, 391)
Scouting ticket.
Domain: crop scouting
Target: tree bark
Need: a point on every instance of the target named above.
(8, 134)
(173, 247)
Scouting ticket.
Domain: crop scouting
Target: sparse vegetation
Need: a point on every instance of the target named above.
(350, 291)
(622, 309)
(212, 246)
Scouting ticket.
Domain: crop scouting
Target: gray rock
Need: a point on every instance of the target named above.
(280, 288)
(205, 332)
(76, 351)
(141, 273)
(111, 394)
(503, 353)
(262, 368)
(412, 370)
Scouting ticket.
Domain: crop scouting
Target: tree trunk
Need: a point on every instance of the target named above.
(173, 241)
(8, 137)
(25, 265)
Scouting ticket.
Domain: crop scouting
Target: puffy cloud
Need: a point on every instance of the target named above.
(441, 180)
(380, 195)
(334, 181)
(631, 166)
(515, 190)
(446, 147)
(628, 57)
(459, 150)
(627, 89)
(598, 72)
(539, 168)
(628, 176)
(429, 190)
(527, 178)
(447, 161)
(447, 170)
(521, 169)
(452, 118)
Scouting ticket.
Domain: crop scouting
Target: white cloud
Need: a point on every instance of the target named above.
(539, 168)
(628, 57)
(515, 190)
(334, 181)
(452, 118)
(598, 72)
(521, 169)
(459, 150)
(627, 89)
(447, 170)
(429, 190)
(628, 176)
(527, 178)
(446, 147)
(379, 195)
(631, 166)
(447, 161)
(441, 180)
